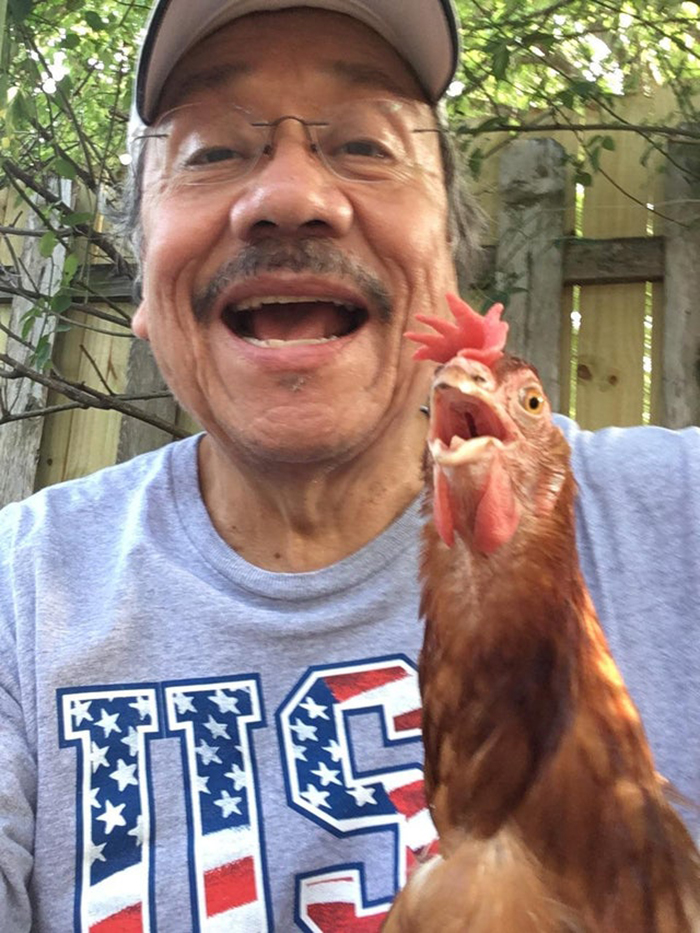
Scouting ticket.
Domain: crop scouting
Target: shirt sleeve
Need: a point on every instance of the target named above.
(638, 531)
(17, 761)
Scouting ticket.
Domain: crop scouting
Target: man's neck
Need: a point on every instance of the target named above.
(303, 518)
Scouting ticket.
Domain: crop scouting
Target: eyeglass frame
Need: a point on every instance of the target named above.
(267, 149)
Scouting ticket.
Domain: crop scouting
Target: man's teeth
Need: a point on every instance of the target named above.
(252, 304)
(287, 343)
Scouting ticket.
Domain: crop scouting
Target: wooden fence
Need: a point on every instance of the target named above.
(602, 287)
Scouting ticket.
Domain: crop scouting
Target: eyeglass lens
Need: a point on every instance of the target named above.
(367, 140)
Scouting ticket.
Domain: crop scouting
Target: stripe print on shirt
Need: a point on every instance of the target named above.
(111, 727)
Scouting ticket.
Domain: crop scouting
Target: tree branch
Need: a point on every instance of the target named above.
(87, 397)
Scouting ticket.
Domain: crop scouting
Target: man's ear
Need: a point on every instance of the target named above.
(139, 322)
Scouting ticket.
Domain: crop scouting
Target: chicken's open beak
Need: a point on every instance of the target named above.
(465, 422)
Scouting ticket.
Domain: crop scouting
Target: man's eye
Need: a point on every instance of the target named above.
(214, 154)
(364, 148)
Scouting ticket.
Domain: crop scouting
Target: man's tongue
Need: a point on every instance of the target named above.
(299, 321)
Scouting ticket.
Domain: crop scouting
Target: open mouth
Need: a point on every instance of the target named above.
(284, 321)
(463, 426)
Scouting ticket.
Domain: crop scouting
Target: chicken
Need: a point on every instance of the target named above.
(539, 776)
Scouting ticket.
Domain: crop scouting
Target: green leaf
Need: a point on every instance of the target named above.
(78, 217)
(94, 20)
(70, 267)
(500, 61)
(21, 109)
(476, 160)
(586, 90)
(567, 98)
(42, 354)
(493, 123)
(543, 40)
(72, 41)
(609, 143)
(64, 168)
(47, 244)
(583, 178)
(61, 302)
(28, 323)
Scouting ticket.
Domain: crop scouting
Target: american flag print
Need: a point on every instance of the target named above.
(115, 820)
(110, 727)
(213, 720)
(325, 784)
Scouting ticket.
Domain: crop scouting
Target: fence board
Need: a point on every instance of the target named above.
(681, 338)
(20, 441)
(529, 255)
(611, 339)
(81, 441)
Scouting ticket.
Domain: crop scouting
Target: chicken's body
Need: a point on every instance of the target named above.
(538, 773)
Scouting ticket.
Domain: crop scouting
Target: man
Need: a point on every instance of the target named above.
(208, 708)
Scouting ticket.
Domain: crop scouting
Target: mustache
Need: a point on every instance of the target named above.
(310, 255)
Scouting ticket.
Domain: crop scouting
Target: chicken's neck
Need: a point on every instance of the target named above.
(501, 666)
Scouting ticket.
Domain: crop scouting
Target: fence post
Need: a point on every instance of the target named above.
(529, 255)
(20, 441)
(137, 437)
(681, 325)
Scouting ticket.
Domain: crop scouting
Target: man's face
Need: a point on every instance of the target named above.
(275, 303)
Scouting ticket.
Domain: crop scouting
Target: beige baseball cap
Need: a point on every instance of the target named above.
(423, 32)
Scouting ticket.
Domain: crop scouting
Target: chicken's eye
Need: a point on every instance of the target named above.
(532, 400)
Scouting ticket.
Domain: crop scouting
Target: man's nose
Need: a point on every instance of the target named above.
(291, 192)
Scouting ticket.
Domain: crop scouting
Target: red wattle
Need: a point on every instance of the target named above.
(498, 513)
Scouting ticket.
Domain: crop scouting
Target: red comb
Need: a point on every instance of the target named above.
(475, 336)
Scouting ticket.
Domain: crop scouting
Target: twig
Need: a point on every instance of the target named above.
(576, 128)
(96, 368)
(88, 397)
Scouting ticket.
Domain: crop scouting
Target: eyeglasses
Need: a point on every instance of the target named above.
(376, 140)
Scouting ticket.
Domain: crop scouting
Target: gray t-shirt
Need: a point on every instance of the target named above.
(188, 742)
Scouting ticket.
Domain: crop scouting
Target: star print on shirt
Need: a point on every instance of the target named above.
(325, 771)
(124, 774)
(108, 722)
(228, 803)
(218, 729)
(207, 753)
(334, 750)
(315, 710)
(112, 816)
(226, 703)
(143, 706)
(139, 831)
(304, 731)
(131, 740)
(316, 797)
(98, 756)
(201, 781)
(326, 775)
(363, 795)
(81, 711)
(184, 703)
(238, 777)
(95, 853)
